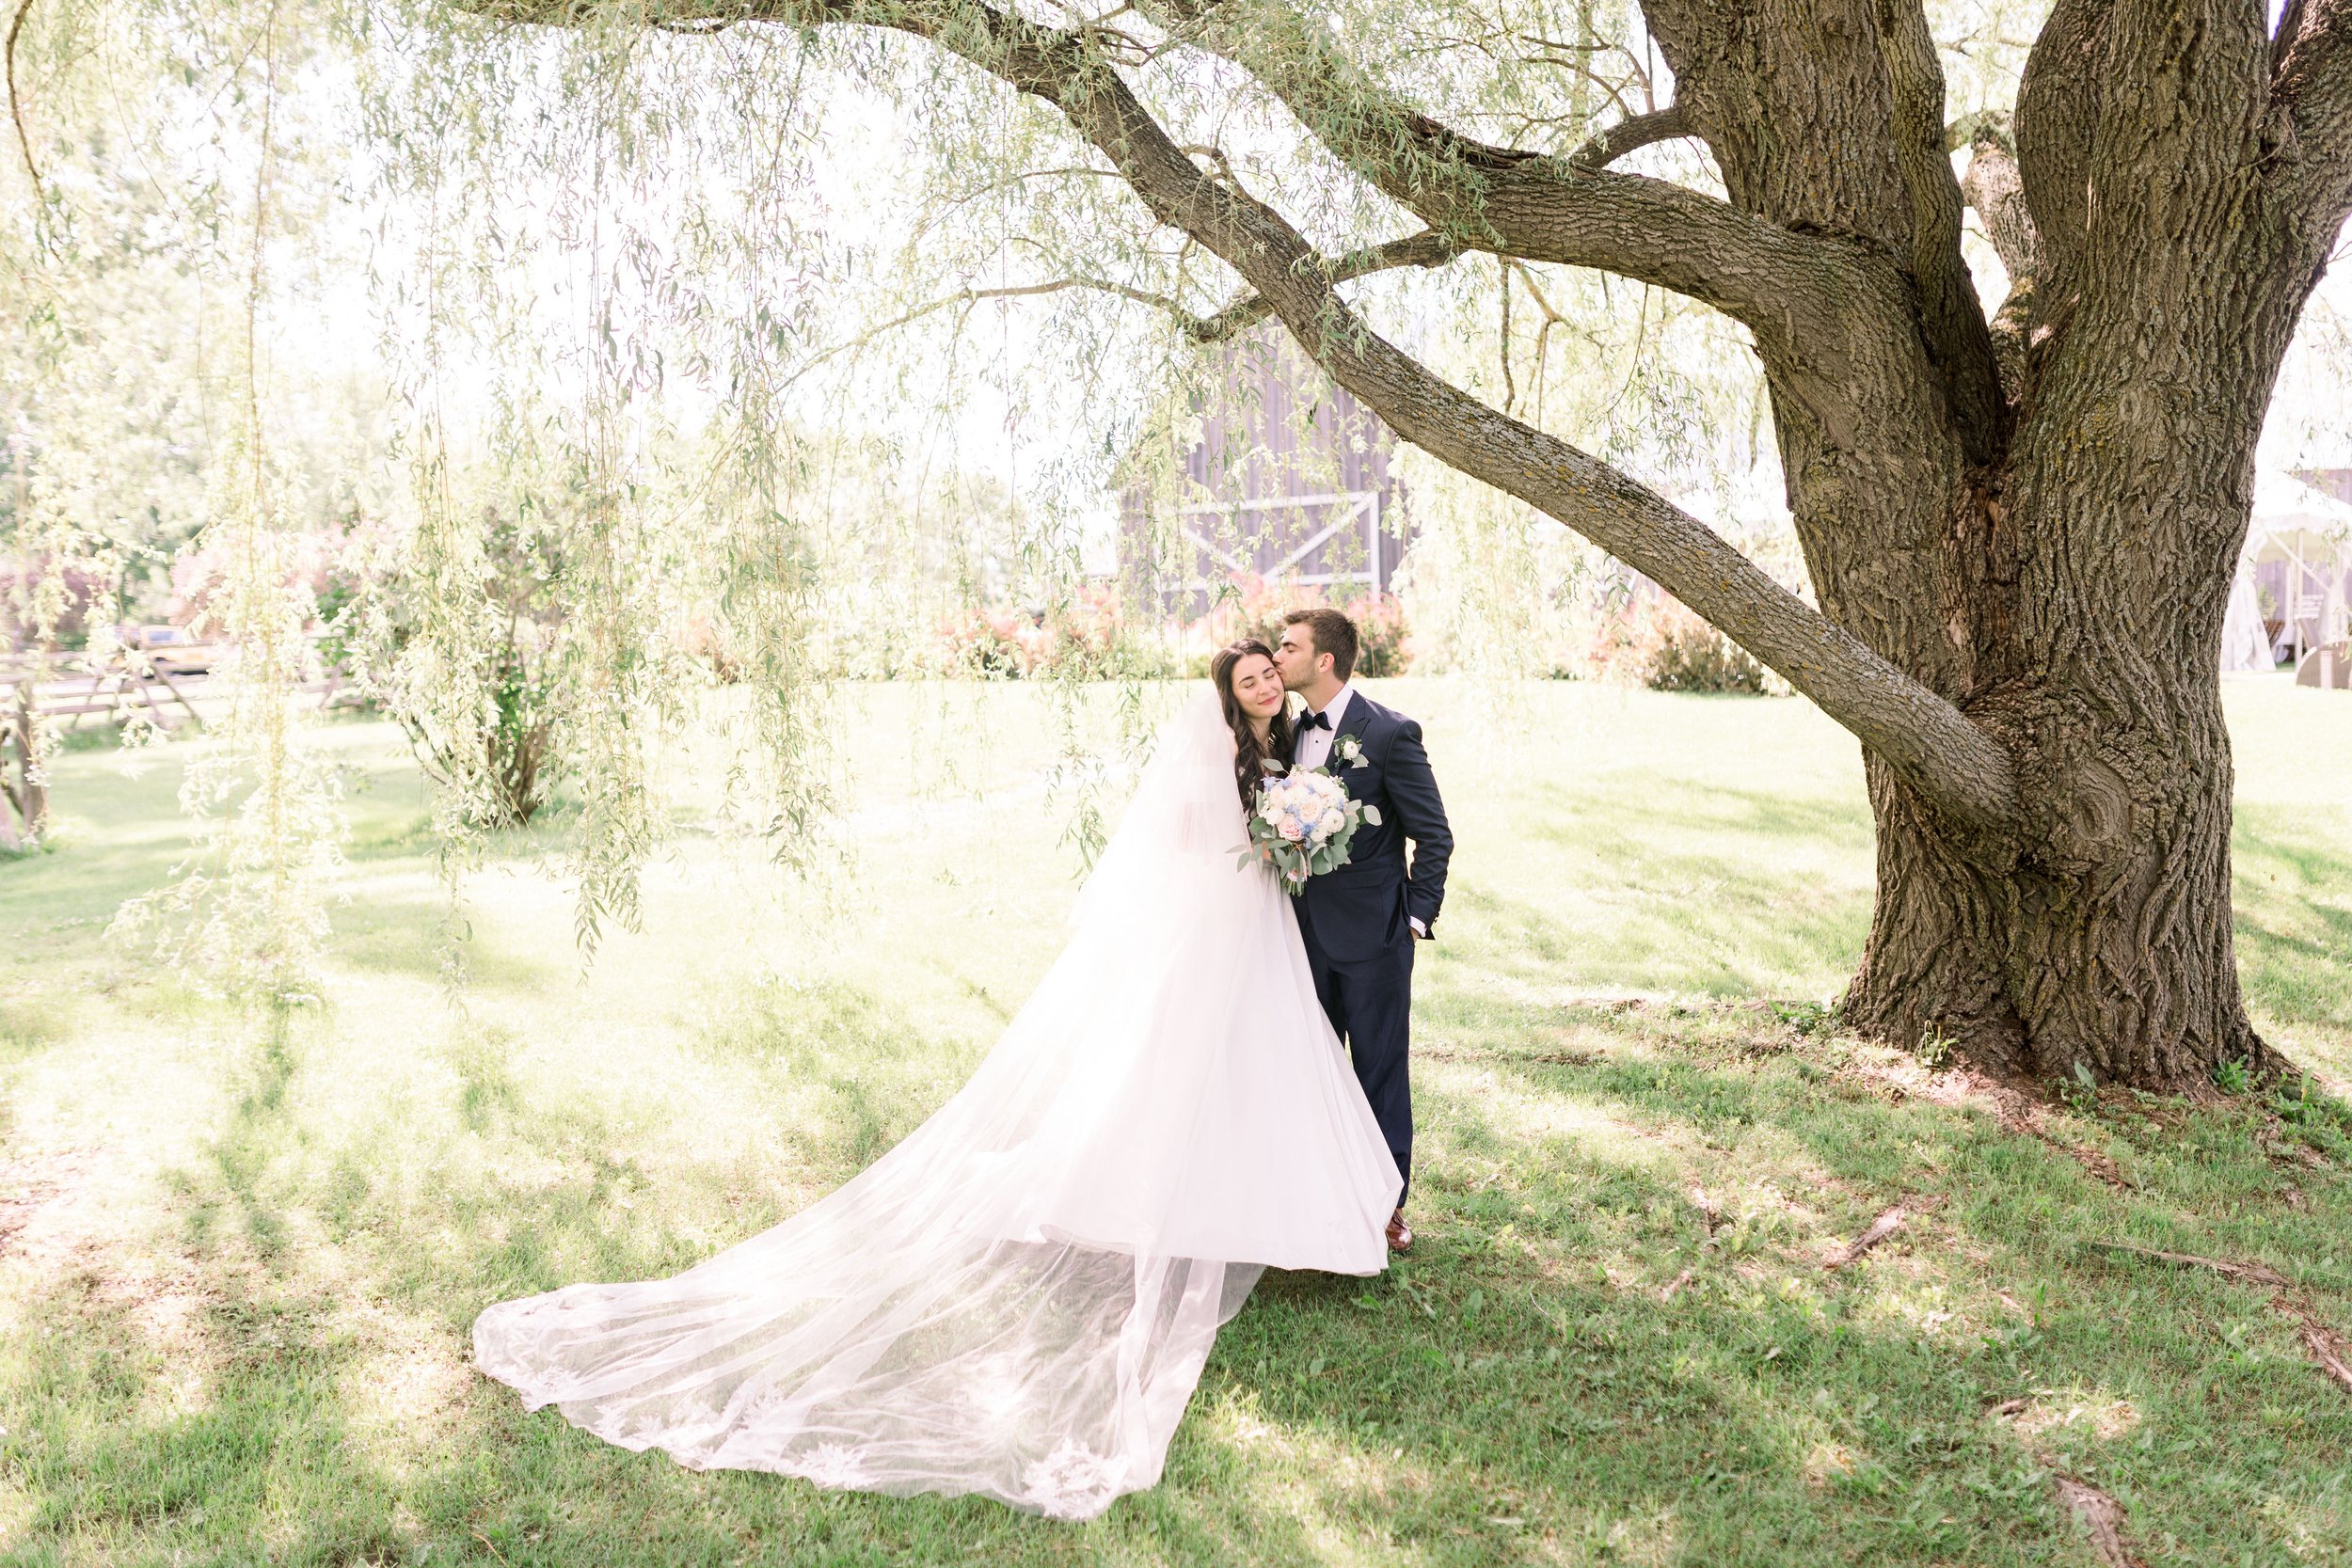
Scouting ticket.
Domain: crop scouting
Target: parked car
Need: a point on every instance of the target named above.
(170, 649)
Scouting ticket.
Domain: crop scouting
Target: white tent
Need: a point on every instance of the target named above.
(2309, 533)
(2245, 641)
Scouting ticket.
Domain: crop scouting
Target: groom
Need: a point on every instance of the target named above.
(1362, 919)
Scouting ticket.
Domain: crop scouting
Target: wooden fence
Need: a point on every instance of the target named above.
(165, 684)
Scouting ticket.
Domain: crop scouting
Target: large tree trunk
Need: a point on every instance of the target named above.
(2053, 557)
(2108, 950)
(2084, 606)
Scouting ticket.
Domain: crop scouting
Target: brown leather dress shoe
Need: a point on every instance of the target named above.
(1400, 1234)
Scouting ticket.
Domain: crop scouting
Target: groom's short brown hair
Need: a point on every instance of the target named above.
(1334, 634)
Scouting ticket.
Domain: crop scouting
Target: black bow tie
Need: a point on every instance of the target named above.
(1313, 722)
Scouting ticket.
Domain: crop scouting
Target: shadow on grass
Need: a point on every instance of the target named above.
(401, 934)
(1500, 1397)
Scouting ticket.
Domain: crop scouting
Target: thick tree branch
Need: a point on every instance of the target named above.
(1425, 249)
(1994, 189)
(2058, 114)
(2311, 89)
(1951, 318)
(1794, 292)
(2183, 90)
(1637, 131)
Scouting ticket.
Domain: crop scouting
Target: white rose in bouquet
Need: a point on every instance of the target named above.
(1304, 825)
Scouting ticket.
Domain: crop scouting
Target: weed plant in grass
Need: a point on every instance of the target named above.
(238, 1256)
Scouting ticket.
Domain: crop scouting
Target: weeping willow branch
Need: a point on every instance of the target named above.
(1921, 733)
(976, 296)
(1426, 249)
(252, 894)
(16, 103)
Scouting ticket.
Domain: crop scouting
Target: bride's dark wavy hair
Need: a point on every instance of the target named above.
(1250, 757)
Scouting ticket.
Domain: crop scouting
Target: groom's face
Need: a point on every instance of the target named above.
(1297, 657)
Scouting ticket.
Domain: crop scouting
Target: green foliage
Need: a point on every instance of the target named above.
(497, 760)
(828, 337)
(2314, 1116)
(2232, 1075)
(1660, 644)
(1092, 633)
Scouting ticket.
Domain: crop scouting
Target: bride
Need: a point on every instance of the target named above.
(1017, 1299)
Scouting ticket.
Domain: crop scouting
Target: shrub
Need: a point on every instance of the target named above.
(1092, 634)
(993, 643)
(1383, 636)
(1667, 648)
(513, 736)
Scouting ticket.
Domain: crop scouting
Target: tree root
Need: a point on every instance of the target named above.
(2325, 1345)
(2017, 1112)
(2254, 1272)
(2100, 1517)
(2329, 1351)
(1884, 1225)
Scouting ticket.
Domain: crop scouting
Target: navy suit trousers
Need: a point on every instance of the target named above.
(1370, 1004)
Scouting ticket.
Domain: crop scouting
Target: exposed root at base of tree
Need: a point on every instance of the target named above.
(2328, 1350)
(1889, 1222)
(2100, 1517)
(2325, 1347)
(2254, 1272)
(2017, 1112)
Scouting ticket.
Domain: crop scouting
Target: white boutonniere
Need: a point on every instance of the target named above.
(1349, 750)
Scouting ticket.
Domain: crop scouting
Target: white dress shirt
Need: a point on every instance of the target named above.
(1315, 746)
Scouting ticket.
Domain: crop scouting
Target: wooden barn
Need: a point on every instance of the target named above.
(1289, 482)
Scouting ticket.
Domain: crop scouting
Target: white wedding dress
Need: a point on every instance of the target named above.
(1017, 1299)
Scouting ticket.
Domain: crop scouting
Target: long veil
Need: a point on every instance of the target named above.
(1016, 1300)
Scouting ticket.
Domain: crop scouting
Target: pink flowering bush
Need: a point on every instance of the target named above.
(1092, 634)
(1660, 644)
(1383, 636)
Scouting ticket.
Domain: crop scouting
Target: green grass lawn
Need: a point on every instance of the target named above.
(238, 1259)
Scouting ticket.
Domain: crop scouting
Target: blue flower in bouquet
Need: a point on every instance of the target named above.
(1304, 824)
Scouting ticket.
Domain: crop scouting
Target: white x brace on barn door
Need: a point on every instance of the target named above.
(1349, 508)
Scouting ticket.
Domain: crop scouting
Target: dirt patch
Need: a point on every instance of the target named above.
(2016, 1110)
(2104, 1418)
(27, 1187)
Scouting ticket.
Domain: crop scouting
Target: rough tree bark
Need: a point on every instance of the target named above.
(2020, 528)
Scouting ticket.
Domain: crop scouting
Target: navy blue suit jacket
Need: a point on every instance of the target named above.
(1363, 908)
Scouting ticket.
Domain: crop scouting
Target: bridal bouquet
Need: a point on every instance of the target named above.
(1304, 824)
